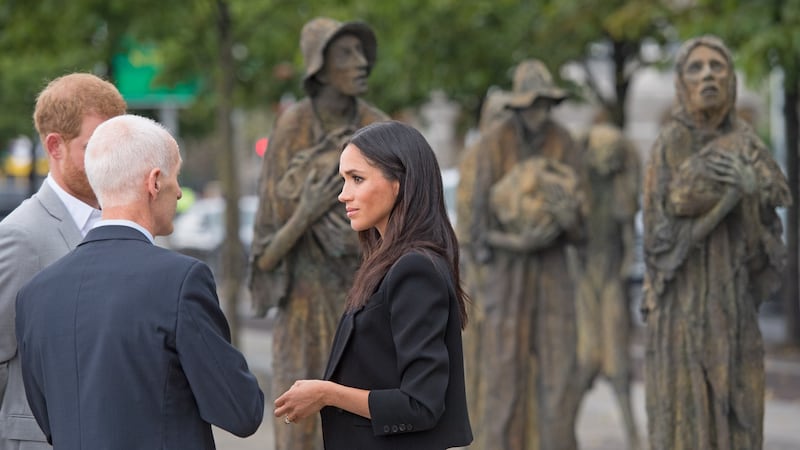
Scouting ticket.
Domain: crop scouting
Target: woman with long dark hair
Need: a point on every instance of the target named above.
(395, 377)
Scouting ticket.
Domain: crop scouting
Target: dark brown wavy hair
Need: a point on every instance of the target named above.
(418, 220)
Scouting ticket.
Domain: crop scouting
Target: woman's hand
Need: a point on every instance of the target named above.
(307, 397)
(303, 399)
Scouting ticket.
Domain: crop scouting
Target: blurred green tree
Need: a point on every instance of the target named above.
(38, 41)
(461, 47)
(585, 31)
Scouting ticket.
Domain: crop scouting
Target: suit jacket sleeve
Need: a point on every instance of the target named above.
(31, 368)
(18, 262)
(227, 393)
(419, 300)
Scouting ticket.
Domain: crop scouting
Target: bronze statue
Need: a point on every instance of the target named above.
(304, 252)
(713, 252)
(493, 108)
(612, 179)
(519, 208)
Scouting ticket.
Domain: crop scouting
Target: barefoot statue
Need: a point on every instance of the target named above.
(612, 174)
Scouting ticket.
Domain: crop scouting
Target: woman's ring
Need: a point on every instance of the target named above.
(286, 420)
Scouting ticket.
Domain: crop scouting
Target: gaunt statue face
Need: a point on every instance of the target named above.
(346, 66)
(535, 115)
(706, 76)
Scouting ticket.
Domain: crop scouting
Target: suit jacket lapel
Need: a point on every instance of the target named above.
(53, 205)
(343, 333)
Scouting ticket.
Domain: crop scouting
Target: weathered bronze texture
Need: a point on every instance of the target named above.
(522, 347)
(611, 175)
(304, 252)
(713, 251)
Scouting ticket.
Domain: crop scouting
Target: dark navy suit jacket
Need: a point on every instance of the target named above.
(404, 347)
(124, 346)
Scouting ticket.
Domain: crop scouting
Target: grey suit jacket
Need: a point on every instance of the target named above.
(34, 235)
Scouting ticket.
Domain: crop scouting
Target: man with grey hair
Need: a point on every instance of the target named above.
(144, 360)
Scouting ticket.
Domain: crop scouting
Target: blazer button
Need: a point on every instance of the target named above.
(394, 428)
(409, 427)
(386, 428)
(402, 427)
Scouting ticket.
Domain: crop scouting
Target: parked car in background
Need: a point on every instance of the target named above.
(200, 230)
(11, 195)
(450, 179)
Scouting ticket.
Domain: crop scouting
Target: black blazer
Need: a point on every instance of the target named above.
(404, 347)
(124, 346)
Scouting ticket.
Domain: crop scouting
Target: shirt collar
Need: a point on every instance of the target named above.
(126, 223)
(82, 214)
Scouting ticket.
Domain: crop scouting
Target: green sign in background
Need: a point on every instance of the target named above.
(135, 73)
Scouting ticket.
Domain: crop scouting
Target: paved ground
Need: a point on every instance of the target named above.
(599, 425)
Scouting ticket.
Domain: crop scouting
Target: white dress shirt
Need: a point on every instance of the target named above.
(84, 215)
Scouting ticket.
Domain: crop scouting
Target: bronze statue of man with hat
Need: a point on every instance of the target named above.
(527, 387)
(304, 252)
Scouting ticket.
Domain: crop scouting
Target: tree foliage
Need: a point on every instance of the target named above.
(39, 40)
(764, 34)
(461, 47)
(583, 31)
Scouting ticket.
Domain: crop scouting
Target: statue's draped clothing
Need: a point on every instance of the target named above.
(310, 283)
(612, 201)
(704, 354)
(528, 394)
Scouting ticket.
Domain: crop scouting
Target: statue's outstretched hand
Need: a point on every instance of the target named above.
(320, 192)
